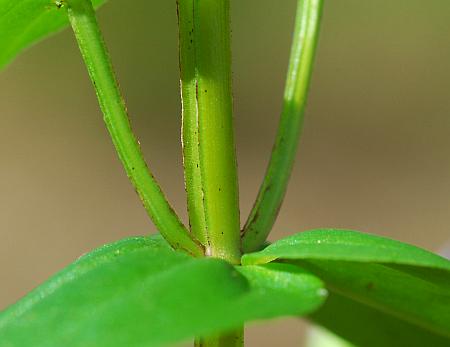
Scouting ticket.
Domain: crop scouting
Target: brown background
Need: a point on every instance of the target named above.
(375, 154)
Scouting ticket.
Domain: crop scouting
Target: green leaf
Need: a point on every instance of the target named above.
(345, 245)
(401, 280)
(274, 290)
(139, 292)
(23, 22)
(280, 290)
(368, 327)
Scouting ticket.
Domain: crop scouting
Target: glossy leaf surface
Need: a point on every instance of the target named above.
(281, 290)
(398, 279)
(23, 22)
(139, 292)
(345, 245)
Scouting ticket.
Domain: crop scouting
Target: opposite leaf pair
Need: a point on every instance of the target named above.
(139, 292)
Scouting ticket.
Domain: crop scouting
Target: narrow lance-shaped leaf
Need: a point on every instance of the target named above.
(272, 191)
(23, 22)
(398, 279)
(346, 245)
(139, 292)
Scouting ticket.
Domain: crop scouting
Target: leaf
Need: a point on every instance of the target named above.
(275, 290)
(24, 22)
(281, 289)
(407, 282)
(139, 292)
(368, 327)
(345, 245)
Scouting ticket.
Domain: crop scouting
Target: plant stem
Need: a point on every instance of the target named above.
(208, 134)
(189, 131)
(84, 24)
(272, 191)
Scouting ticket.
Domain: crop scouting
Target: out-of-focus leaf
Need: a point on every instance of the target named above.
(139, 292)
(405, 281)
(367, 327)
(23, 22)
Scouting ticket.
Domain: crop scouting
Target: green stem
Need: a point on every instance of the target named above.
(189, 132)
(272, 191)
(208, 134)
(90, 41)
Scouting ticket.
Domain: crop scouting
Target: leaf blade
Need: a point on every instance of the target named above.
(418, 301)
(368, 327)
(284, 289)
(346, 245)
(139, 292)
(401, 280)
(24, 22)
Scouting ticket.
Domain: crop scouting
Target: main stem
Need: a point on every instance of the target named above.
(93, 49)
(208, 134)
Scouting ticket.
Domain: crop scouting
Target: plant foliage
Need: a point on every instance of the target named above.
(140, 292)
(24, 22)
(146, 291)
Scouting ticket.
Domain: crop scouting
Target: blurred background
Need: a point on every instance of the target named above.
(374, 155)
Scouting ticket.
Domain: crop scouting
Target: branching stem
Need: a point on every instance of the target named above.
(272, 191)
(84, 24)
